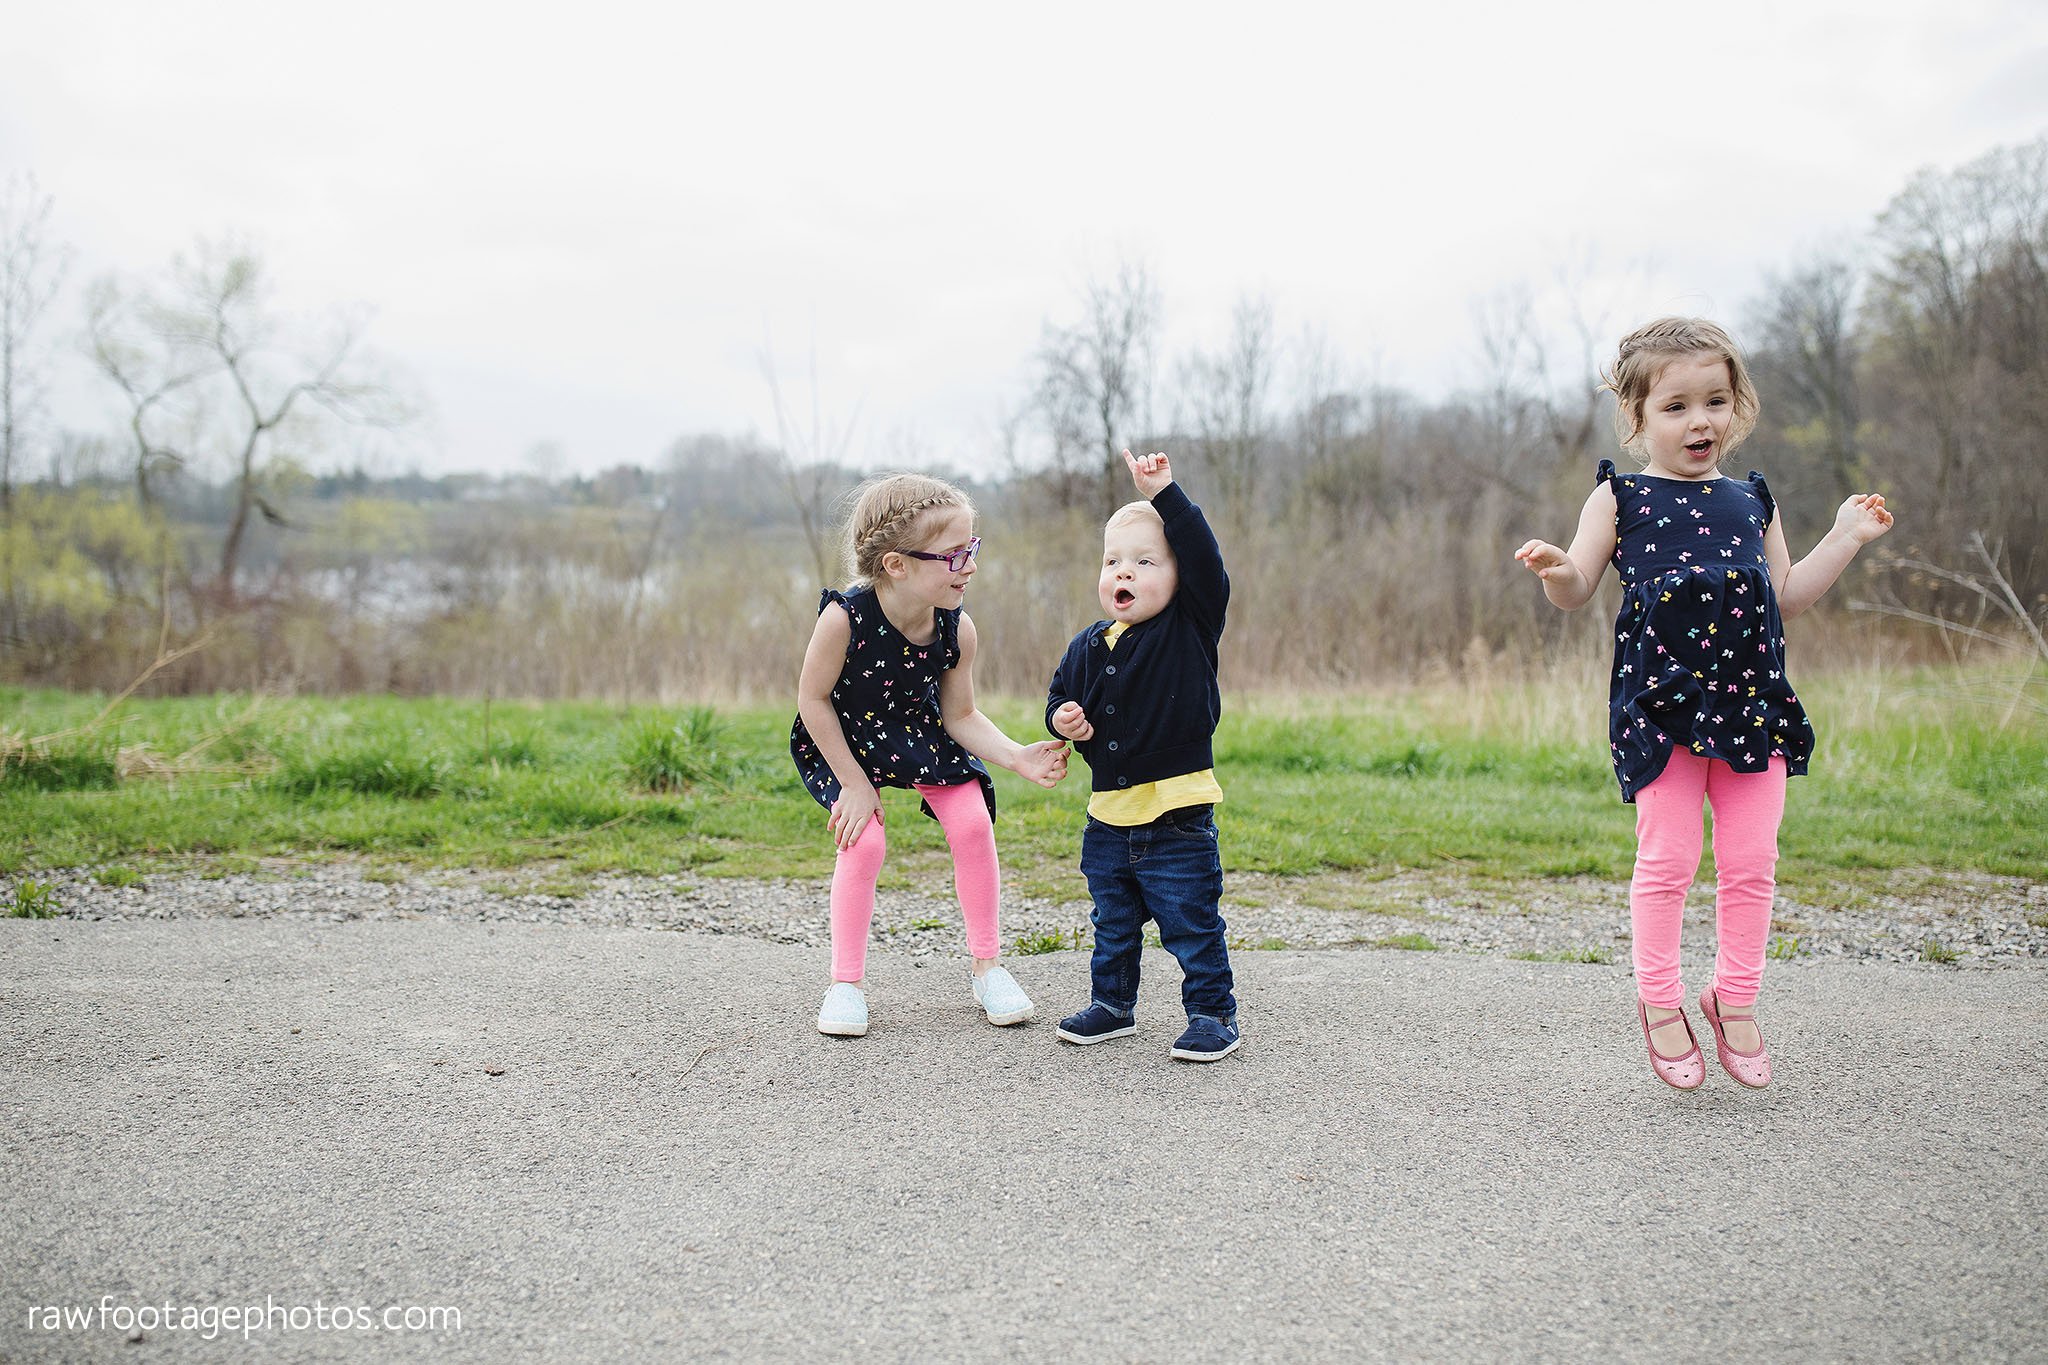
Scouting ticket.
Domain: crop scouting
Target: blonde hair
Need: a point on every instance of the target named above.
(891, 513)
(1140, 510)
(1644, 354)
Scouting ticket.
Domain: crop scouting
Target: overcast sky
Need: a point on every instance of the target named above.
(586, 223)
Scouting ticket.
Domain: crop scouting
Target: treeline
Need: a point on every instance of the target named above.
(1367, 528)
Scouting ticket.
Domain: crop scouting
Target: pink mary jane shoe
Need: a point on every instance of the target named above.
(1680, 1073)
(1752, 1069)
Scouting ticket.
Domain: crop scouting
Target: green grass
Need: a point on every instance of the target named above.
(1585, 955)
(1413, 943)
(32, 900)
(61, 766)
(1506, 783)
(1050, 941)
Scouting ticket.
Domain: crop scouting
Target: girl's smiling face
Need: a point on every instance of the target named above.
(947, 529)
(1686, 417)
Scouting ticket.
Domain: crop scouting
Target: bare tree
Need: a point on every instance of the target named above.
(812, 463)
(1960, 245)
(30, 272)
(148, 354)
(271, 378)
(1807, 352)
(1510, 408)
(1960, 310)
(1229, 395)
(1339, 437)
(1095, 381)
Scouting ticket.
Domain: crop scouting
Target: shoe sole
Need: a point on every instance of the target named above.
(1125, 1032)
(833, 1028)
(1187, 1055)
(1013, 1017)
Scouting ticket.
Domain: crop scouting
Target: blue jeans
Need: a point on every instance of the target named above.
(1167, 872)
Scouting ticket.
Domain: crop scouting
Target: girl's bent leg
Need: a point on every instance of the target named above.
(853, 900)
(1668, 839)
(977, 879)
(1748, 808)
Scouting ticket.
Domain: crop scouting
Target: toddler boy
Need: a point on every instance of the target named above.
(1137, 695)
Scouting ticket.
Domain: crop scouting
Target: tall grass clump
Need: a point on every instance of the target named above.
(80, 766)
(672, 756)
(371, 770)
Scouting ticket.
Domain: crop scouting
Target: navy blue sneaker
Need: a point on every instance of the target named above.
(1096, 1024)
(1207, 1040)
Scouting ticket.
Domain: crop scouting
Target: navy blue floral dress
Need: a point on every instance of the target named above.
(887, 698)
(1699, 649)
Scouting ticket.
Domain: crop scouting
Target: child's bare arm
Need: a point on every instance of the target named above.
(1044, 762)
(1860, 519)
(824, 658)
(1570, 577)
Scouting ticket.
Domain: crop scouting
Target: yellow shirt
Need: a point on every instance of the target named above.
(1146, 802)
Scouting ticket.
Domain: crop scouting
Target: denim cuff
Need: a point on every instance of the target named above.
(1105, 1005)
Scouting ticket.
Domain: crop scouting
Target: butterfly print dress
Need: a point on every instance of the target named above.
(1699, 649)
(887, 700)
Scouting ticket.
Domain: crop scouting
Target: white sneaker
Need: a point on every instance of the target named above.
(1001, 998)
(845, 1011)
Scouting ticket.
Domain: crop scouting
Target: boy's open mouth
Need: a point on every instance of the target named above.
(1124, 597)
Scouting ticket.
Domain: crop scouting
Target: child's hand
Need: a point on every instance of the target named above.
(1547, 562)
(1070, 720)
(1044, 762)
(1863, 518)
(1151, 474)
(851, 813)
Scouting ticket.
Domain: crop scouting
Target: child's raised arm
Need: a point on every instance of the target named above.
(1571, 576)
(1044, 762)
(1860, 519)
(1204, 584)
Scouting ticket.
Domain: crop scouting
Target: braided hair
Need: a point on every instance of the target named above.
(889, 515)
(1648, 349)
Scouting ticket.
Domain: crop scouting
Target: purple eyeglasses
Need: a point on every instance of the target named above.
(954, 560)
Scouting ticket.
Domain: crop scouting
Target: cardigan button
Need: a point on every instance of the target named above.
(1112, 746)
(1123, 781)
(1109, 710)
(1110, 669)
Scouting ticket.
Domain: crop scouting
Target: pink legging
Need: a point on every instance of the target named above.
(1747, 810)
(963, 815)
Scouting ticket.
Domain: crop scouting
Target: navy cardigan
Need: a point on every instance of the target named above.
(1153, 699)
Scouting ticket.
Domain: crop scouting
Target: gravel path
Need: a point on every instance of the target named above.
(600, 1143)
(1981, 920)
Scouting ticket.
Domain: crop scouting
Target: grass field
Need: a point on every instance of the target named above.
(1503, 780)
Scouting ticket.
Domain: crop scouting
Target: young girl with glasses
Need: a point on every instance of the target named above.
(886, 699)
(1700, 709)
